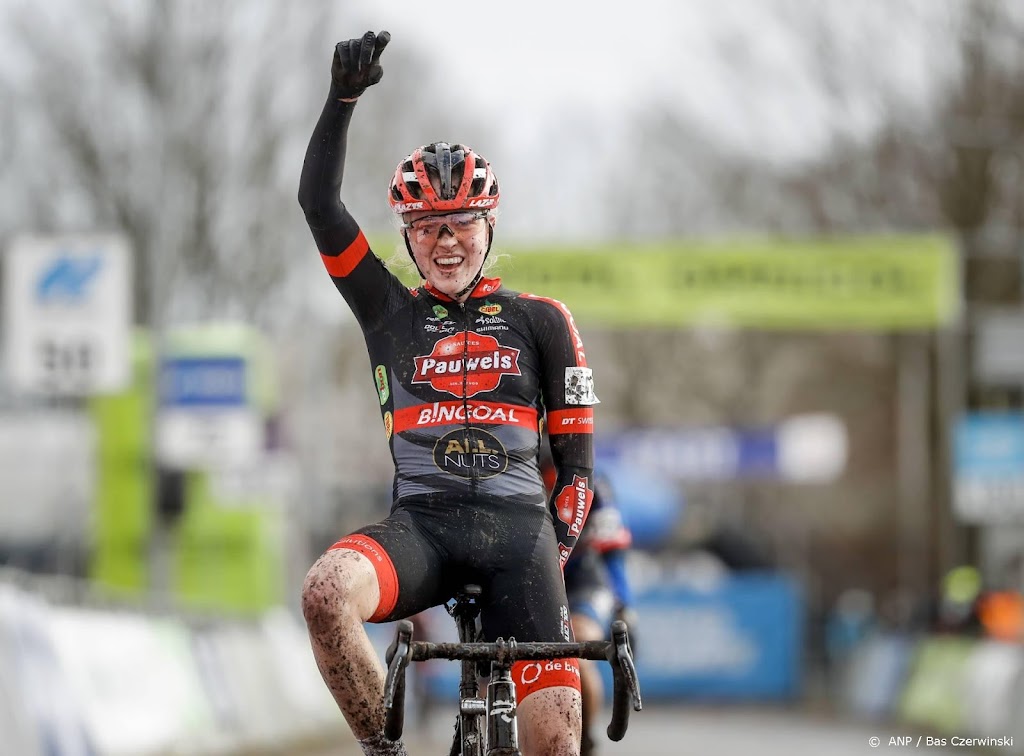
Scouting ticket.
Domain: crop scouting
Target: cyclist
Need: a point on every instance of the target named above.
(597, 588)
(464, 370)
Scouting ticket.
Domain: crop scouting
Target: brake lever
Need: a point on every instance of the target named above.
(397, 657)
(620, 636)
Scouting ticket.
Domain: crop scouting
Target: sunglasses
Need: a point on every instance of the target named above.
(428, 228)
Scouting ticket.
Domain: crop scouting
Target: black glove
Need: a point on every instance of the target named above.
(355, 65)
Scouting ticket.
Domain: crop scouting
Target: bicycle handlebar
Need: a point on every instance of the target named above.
(510, 650)
(625, 685)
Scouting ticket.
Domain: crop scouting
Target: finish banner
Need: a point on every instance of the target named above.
(898, 283)
(895, 283)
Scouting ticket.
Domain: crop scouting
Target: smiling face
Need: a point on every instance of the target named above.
(448, 248)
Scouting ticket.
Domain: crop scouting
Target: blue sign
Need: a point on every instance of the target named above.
(990, 445)
(650, 504)
(801, 448)
(203, 382)
(740, 640)
(988, 462)
(708, 454)
(67, 279)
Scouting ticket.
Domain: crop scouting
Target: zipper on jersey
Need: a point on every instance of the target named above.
(465, 389)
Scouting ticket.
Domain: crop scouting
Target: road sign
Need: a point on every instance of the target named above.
(206, 418)
(203, 382)
(67, 310)
(988, 461)
(208, 438)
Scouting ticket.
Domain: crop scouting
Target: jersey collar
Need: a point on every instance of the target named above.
(484, 287)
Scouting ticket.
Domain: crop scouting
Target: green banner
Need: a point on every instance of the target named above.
(878, 283)
(228, 555)
(122, 514)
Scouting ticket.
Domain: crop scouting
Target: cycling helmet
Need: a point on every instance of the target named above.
(457, 187)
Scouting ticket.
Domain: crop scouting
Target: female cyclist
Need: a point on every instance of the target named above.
(464, 371)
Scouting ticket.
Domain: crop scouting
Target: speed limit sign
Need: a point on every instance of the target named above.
(67, 314)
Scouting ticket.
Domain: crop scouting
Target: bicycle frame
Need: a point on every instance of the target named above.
(469, 730)
(491, 723)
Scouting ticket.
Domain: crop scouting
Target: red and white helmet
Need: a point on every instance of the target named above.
(458, 188)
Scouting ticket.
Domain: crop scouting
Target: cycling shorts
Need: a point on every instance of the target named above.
(424, 552)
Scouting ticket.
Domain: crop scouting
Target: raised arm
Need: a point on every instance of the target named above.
(355, 67)
(362, 279)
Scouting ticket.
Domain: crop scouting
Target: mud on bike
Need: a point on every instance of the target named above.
(487, 726)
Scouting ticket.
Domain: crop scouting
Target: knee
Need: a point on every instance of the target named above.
(551, 722)
(330, 596)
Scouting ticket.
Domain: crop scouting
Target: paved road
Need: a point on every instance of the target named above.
(720, 731)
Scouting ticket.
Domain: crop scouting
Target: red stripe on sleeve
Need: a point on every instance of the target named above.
(574, 332)
(571, 421)
(341, 265)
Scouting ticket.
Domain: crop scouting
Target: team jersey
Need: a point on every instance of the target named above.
(462, 387)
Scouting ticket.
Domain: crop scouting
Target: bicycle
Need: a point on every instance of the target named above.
(487, 727)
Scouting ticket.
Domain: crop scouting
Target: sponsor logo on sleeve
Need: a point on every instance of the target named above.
(573, 503)
(579, 386)
(389, 424)
(380, 377)
(579, 420)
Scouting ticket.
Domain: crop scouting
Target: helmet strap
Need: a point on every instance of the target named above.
(405, 235)
(480, 273)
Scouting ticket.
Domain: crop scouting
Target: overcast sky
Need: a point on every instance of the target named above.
(574, 74)
(730, 64)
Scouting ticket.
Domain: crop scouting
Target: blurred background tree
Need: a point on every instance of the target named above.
(184, 123)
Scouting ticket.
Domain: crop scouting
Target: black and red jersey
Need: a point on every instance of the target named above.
(463, 388)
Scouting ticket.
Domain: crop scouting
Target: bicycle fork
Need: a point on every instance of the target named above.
(502, 738)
